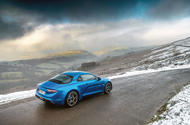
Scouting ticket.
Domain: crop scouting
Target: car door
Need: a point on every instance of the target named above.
(91, 83)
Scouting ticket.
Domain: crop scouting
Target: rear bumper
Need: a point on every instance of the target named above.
(52, 100)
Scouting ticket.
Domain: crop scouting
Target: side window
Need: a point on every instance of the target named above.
(86, 77)
(79, 78)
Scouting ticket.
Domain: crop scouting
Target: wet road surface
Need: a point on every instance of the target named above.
(133, 101)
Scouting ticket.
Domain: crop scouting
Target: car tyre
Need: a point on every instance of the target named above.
(72, 98)
(108, 88)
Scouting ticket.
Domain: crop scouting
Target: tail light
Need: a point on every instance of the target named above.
(51, 90)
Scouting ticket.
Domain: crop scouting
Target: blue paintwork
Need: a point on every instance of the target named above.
(83, 88)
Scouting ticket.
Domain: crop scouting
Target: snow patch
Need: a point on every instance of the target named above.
(161, 50)
(6, 98)
(177, 53)
(177, 111)
(134, 72)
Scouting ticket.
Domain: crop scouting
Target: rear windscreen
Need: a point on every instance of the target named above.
(62, 79)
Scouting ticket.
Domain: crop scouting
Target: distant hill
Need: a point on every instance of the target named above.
(108, 50)
(118, 51)
(70, 53)
(65, 56)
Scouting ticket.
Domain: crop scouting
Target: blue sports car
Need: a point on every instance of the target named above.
(70, 87)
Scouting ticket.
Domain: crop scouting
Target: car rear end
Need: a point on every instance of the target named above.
(50, 94)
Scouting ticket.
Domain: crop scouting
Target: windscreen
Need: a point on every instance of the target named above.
(61, 79)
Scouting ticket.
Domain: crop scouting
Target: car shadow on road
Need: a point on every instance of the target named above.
(50, 106)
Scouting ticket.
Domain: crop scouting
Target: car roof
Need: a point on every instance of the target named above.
(75, 73)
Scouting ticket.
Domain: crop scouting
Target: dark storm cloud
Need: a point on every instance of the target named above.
(100, 10)
(79, 10)
(83, 11)
(170, 9)
(13, 29)
(58, 11)
(7, 29)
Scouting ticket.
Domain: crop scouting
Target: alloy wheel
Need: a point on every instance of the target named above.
(72, 98)
(108, 88)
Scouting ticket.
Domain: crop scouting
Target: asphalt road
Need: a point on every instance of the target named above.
(133, 101)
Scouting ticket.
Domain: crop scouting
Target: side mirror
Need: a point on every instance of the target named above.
(98, 78)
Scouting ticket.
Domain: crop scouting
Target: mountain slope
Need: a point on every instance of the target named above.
(176, 53)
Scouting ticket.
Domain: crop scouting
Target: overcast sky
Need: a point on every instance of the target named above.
(35, 28)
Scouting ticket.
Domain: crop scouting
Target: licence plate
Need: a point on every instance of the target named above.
(42, 92)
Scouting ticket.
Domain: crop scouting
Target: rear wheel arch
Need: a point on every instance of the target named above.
(108, 82)
(73, 90)
(76, 91)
